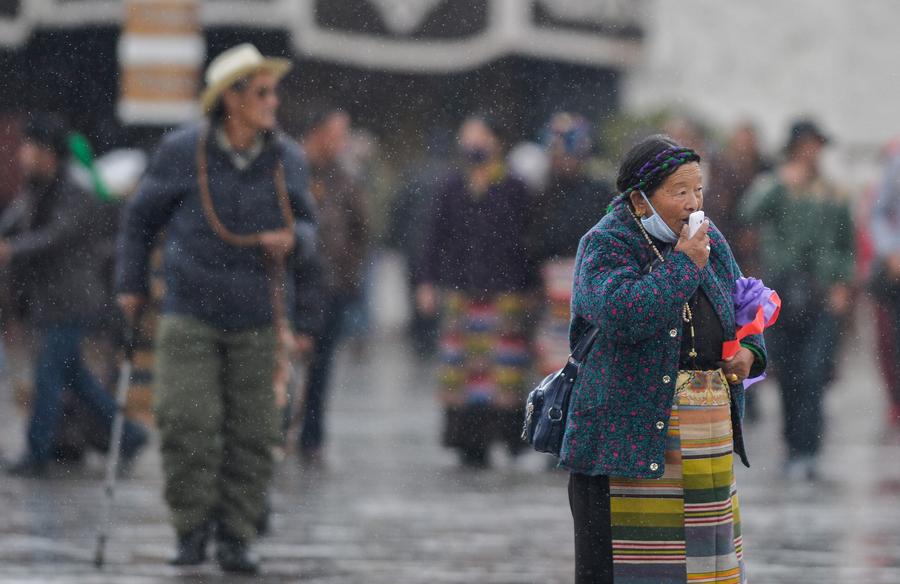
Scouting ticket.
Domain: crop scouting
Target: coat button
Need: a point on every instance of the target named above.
(654, 466)
(660, 425)
(666, 379)
(673, 333)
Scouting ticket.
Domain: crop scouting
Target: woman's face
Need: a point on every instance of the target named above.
(680, 195)
(477, 142)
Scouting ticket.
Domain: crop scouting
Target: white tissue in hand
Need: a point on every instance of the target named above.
(694, 222)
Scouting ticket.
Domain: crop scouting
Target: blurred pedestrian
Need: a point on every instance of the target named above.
(56, 258)
(111, 178)
(231, 193)
(571, 203)
(409, 218)
(731, 173)
(806, 253)
(344, 239)
(688, 131)
(476, 257)
(655, 416)
(885, 281)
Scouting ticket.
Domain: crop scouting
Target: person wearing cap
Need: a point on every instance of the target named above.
(231, 193)
(806, 253)
(570, 204)
(54, 251)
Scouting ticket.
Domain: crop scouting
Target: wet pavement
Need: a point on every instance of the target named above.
(391, 506)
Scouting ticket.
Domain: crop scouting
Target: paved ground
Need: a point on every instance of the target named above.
(392, 507)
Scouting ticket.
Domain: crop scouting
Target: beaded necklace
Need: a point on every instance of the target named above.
(686, 315)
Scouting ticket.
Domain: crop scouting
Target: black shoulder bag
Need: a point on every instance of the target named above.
(547, 406)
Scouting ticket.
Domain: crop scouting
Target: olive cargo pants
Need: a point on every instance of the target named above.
(217, 420)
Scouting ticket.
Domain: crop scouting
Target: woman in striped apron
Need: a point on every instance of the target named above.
(478, 273)
(655, 416)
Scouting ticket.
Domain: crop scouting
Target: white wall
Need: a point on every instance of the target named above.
(770, 60)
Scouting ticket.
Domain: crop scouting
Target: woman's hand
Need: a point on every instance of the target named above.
(737, 368)
(299, 345)
(697, 247)
(839, 297)
(893, 266)
(426, 299)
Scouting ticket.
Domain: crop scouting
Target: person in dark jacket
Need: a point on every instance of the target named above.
(55, 256)
(343, 237)
(655, 414)
(570, 204)
(231, 193)
(806, 251)
(732, 172)
(476, 255)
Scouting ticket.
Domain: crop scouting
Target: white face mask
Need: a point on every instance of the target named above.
(656, 227)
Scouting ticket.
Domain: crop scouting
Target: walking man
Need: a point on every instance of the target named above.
(343, 236)
(806, 253)
(231, 192)
(54, 251)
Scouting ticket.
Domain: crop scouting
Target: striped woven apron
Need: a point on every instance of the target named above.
(684, 526)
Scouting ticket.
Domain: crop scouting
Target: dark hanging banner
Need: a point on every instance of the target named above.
(9, 8)
(416, 19)
(430, 36)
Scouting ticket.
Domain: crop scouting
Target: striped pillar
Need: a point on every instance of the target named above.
(161, 56)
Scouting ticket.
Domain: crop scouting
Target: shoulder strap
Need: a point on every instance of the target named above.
(585, 343)
(209, 211)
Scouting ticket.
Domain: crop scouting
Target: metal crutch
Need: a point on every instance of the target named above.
(115, 443)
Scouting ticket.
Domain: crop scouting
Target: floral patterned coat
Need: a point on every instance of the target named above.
(621, 403)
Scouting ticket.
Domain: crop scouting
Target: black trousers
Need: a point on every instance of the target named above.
(312, 434)
(803, 348)
(589, 501)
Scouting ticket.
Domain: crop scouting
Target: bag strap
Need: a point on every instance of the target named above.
(584, 344)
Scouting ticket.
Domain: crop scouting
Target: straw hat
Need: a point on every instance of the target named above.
(232, 66)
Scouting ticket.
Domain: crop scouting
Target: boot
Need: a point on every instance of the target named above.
(192, 546)
(234, 555)
(264, 522)
(474, 457)
(27, 467)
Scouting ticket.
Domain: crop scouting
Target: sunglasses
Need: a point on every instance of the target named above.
(258, 92)
(265, 91)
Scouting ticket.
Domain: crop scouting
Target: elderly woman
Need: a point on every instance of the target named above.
(655, 415)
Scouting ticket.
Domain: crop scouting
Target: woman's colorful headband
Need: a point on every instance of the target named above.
(668, 159)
